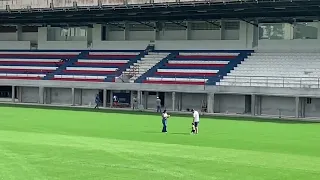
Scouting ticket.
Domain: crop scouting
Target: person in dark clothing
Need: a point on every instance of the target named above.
(97, 101)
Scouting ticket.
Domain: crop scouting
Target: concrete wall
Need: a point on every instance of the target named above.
(29, 94)
(88, 96)
(9, 36)
(200, 45)
(312, 109)
(274, 105)
(247, 37)
(229, 103)
(193, 100)
(61, 96)
(17, 45)
(308, 45)
(116, 45)
(50, 38)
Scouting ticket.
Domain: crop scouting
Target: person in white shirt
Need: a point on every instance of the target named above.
(165, 117)
(196, 120)
(158, 102)
(115, 101)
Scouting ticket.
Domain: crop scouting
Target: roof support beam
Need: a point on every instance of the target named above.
(146, 24)
(213, 23)
(179, 24)
(117, 25)
(250, 22)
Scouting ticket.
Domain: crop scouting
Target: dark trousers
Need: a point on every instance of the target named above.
(158, 108)
(97, 105)
(164, 127)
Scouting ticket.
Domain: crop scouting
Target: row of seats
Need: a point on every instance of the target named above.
(71, 66)
(193, 68)
(31, 65)
(276, 70)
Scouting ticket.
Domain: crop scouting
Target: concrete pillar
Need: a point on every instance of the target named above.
(188, 30)
(41, 93)
(89, 35)
(255, 38)
(13, 91)
(47, 96)
(126, 31)
(145, 100)
(222, 30)
(19, 94)
(111, 98)
(173, 101)
(258, 104)
(253, 105)
(80, 99)
(19, 32)
(42, 35)
(97, 32)
(131, 101)
(180, 102)
(155, 31)
(297, 99)
(139, 97)
(210, 102)
(104, 98)
(303, 107)
(72, 97)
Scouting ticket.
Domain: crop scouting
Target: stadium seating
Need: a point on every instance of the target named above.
(68, 66)
(31, 65)
(276, 70)
(196, 68)
(97, 66)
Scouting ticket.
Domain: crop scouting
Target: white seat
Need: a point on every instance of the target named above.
(276, 70)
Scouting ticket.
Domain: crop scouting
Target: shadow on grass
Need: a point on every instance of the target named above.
(131, 112)
(153, 132)
(179, 133)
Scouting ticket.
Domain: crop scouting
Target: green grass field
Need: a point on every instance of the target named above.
(80, 145)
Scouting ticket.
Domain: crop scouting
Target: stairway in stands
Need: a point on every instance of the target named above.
(67, 63)
(143, 65)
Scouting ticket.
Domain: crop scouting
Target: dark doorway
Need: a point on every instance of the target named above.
(161, 96)
(247, 104)
(101, 96)
(6, 91)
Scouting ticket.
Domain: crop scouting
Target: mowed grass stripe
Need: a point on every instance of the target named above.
(64, 144)
(301, 139)
(240, 157)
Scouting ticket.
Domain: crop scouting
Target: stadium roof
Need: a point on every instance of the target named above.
(263, 10)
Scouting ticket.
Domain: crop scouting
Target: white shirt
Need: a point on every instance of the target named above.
(196, 116)
(164, 115)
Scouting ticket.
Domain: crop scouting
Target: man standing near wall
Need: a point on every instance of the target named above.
(158, 103)
(97, 101)
(135, 103)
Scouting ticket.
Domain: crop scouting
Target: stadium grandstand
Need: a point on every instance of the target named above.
(253, 59)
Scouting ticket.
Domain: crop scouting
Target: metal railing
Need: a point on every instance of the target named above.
(180, 79)
(50, 4)
(271, 81)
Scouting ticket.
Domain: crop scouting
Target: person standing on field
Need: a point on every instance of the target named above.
(165, 117)
(97, 101)
(135, 103)
(158, 103)
(195, 121)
